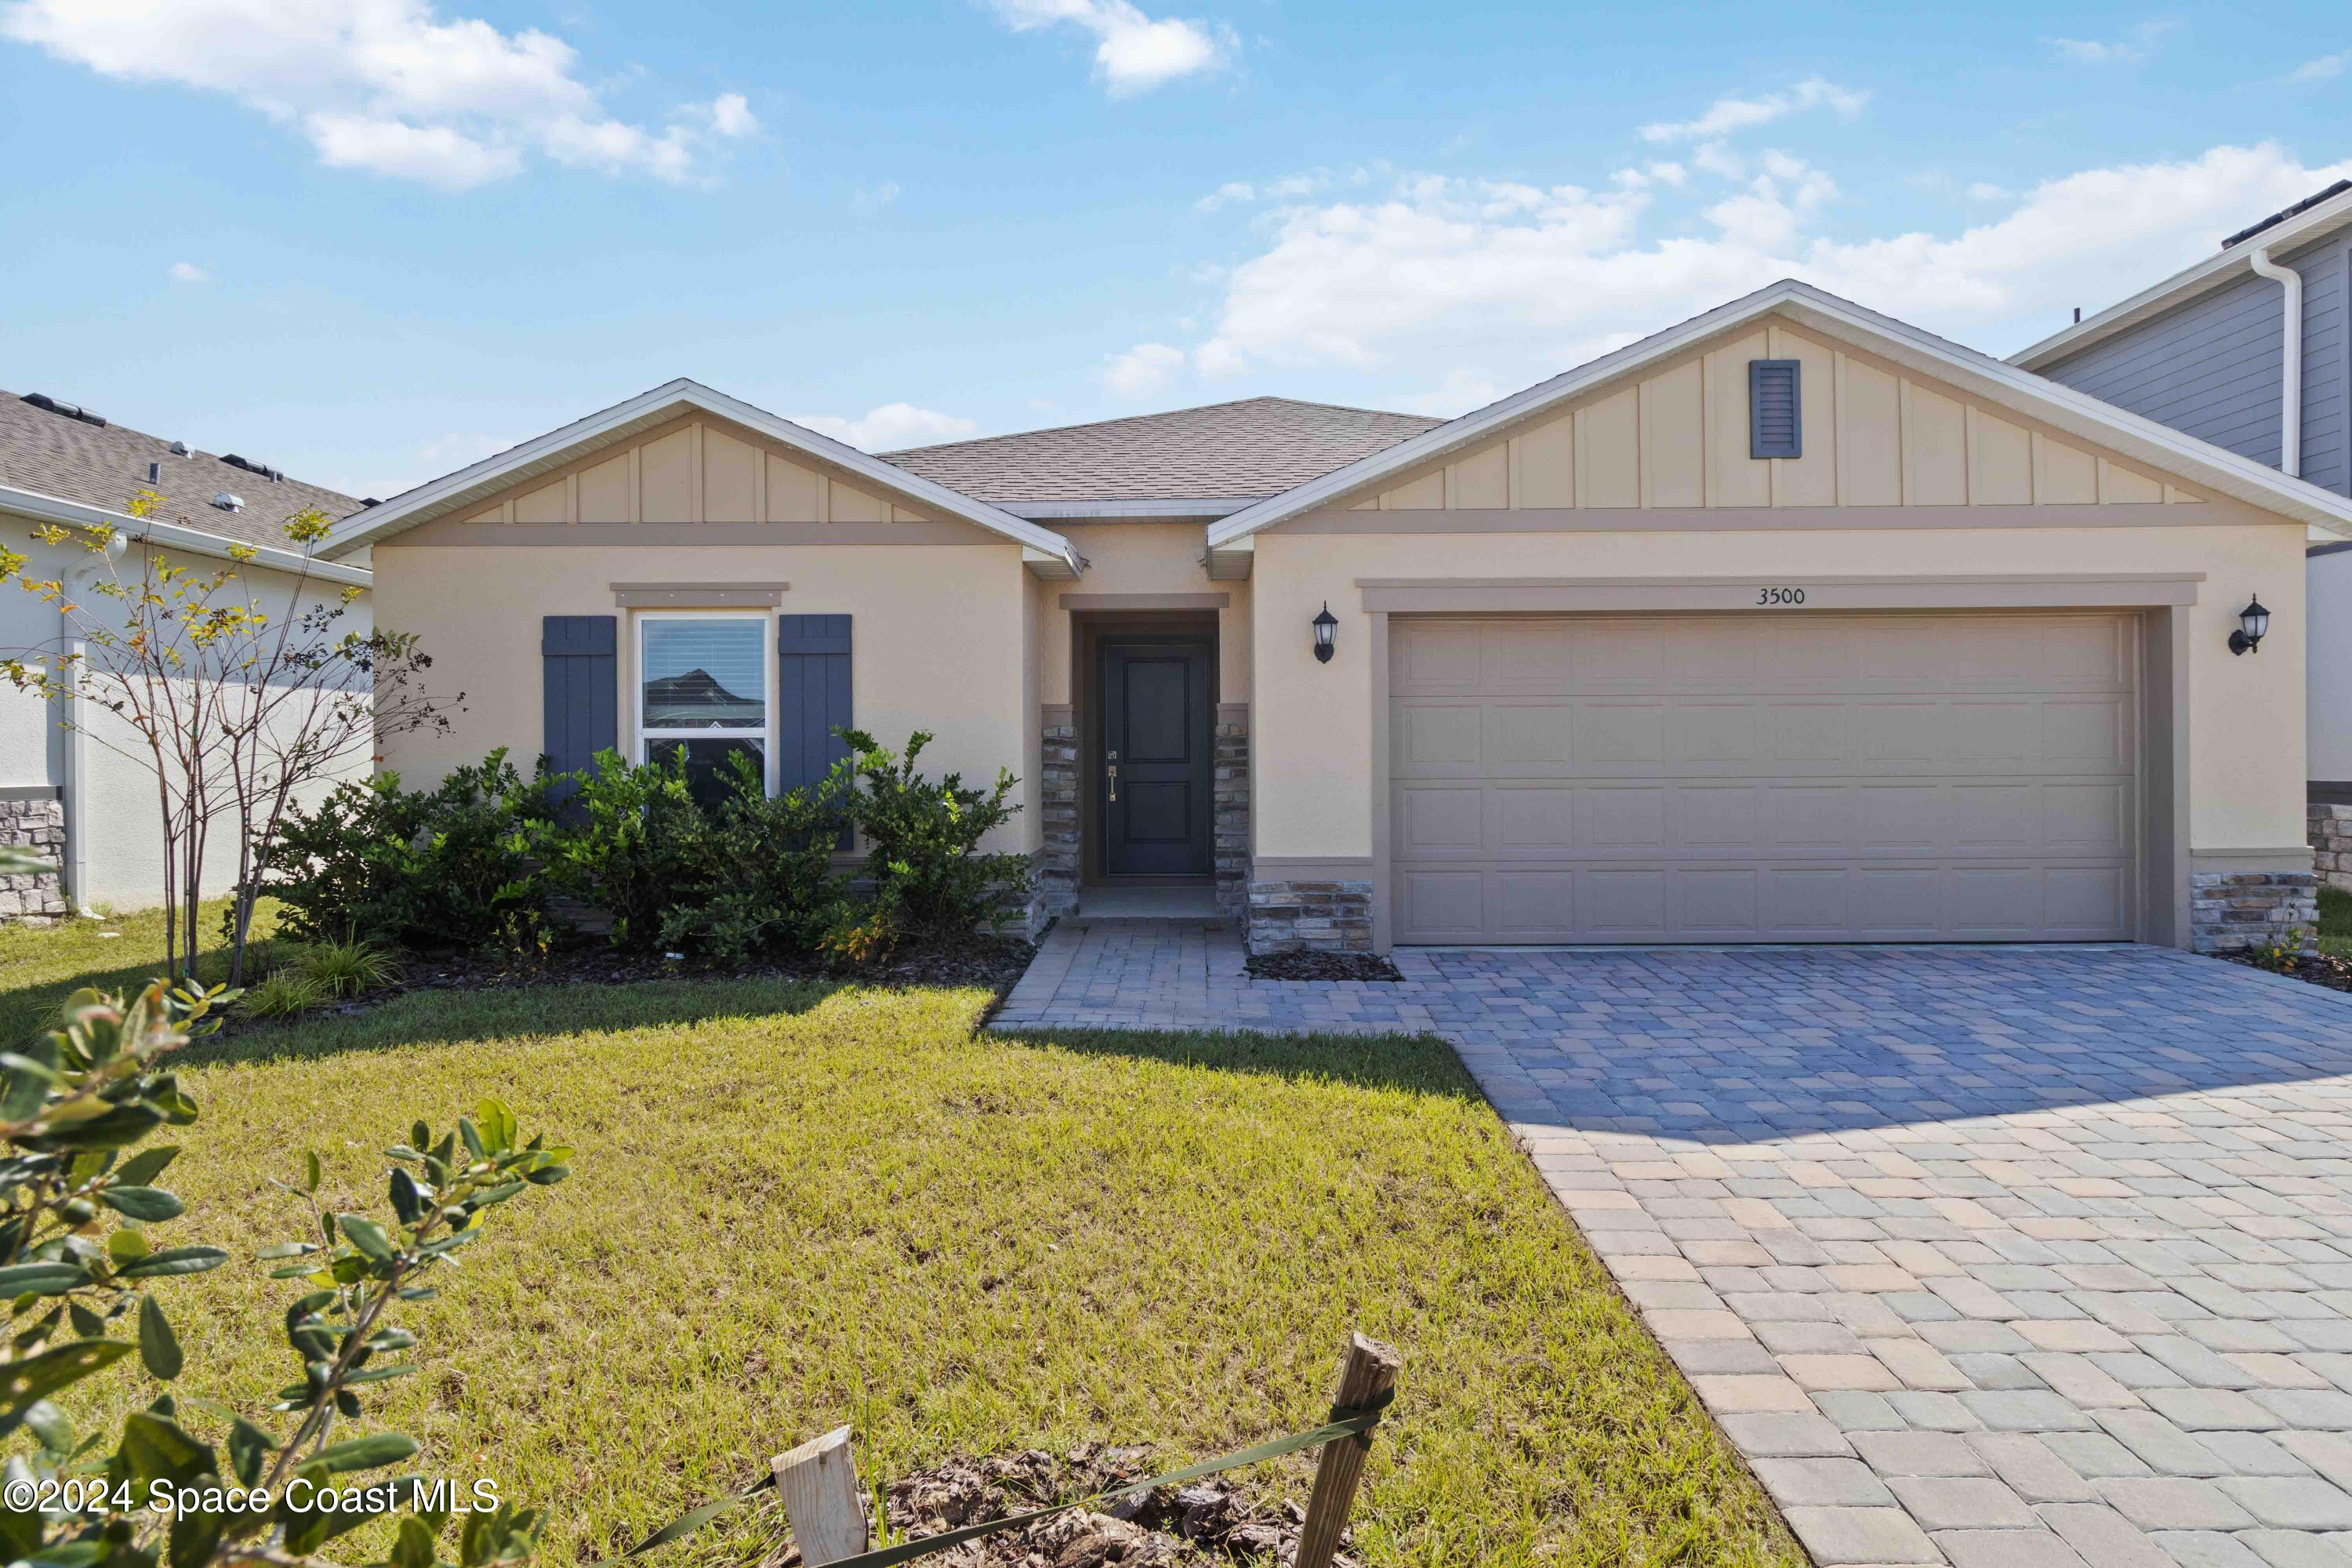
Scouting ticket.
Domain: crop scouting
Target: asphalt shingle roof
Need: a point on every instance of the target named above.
(60, 455)
(1257, 446)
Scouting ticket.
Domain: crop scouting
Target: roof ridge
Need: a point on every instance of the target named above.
(1141, 418)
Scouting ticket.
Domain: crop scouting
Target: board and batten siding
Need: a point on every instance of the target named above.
(692, 471)
(1873, 435)
(2210, 367)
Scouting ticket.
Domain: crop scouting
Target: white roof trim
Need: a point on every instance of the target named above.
(177, 536)
(2204, 467)
(2223, 267)
(1038, 510)
(452, 491)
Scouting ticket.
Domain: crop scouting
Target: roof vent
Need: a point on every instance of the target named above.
(229, 502)
(179, 449)
(154, 473)
(367, 502)
(250, 467)
(71, 410)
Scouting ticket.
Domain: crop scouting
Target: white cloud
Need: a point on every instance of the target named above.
(1225, 196)
(730, 116)
(2326, 68)
(891, 428)
(1463, 286)
(389, 87)
(2130, 50)
(1986, 191)
(457, 450)
(1142, 370)
(1133, 52)
(189, 272)
(871, 199)
(1727, 115)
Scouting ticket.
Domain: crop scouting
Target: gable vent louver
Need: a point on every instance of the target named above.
(1775, 411)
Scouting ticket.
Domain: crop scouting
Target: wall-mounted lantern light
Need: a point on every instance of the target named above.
(1327, 627)
(2253, 624)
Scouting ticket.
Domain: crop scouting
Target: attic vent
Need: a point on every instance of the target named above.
(367, 502)
(71, 410)
(229, 502)
(154, 473)
(1775, 416)
(179, 449)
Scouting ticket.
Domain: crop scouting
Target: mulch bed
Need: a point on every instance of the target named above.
(990, 962)
(1208, 1521)
(1322, 967)
(2315, 968)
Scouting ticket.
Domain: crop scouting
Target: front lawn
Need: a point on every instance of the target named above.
(794, 1207)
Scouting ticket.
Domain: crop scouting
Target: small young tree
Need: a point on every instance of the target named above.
(233, 701)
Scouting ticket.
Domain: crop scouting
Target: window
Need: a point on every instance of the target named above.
(1775, 415)
(702, 687)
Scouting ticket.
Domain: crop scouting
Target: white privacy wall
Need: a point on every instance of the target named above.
(118, 819)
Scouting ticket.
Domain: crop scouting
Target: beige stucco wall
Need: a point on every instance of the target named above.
(937, 639)
(1144, 558)
(1313, 722)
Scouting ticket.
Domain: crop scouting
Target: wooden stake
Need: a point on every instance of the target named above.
(1369, 1372)
(817, 1484)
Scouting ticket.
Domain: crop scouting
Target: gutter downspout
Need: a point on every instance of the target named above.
(2291, 390)
(77, 754)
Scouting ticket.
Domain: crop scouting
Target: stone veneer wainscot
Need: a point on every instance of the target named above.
(1286, 916)
(34, 821)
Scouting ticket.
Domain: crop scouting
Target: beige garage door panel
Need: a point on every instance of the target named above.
(1780, 778)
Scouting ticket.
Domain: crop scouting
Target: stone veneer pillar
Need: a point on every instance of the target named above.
(1229, 829)
(1056, 860)
(34, 820)
(2232, 911)
(2331, 843)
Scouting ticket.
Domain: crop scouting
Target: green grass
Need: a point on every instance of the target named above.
(796, 1206)
(2335, 921)
(41, 966)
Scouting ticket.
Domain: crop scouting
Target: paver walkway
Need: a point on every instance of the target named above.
(1983, 1255)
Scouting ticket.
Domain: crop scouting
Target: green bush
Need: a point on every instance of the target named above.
(474, 862)
(454, 866)
(930, 880)
(631, 838)
(763, 878)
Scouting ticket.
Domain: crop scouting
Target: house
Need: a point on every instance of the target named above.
(2248, 349)
(1790, 623)
(65, 789)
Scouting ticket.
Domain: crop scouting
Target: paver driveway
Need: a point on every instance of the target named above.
(1987, 1256)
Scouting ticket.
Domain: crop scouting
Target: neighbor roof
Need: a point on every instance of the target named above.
(2063, 409)
(455, 492)
(1201, 461)
(104, 466)
(2305, 223)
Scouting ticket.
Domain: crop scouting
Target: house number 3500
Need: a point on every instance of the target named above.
(1780, 596)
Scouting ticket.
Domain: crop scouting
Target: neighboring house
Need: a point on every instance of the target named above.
(2248, 349)
(61, 788)
(1790, 623)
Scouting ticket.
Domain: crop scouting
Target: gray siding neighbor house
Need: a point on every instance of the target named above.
(2207, 352)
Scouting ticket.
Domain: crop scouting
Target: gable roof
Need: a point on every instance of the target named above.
(1191, 462)
(2063, 409)
(455, 492)
(2305, 223)
(103, 466)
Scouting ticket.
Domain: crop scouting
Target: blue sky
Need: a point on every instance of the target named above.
(371, 240)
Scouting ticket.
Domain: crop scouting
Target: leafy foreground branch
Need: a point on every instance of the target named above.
(77, 1260)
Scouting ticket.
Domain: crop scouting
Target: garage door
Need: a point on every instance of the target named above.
(1763, 778)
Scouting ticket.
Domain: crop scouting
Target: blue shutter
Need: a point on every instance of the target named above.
(1775, 417)
(579, 663)
(812, 697)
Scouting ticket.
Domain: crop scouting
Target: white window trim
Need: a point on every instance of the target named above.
(766, 734)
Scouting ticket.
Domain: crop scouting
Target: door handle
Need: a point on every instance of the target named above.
(1111, 773)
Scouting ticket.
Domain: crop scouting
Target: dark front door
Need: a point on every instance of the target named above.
(1157, 770)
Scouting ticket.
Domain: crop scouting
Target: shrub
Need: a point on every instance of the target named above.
(347, 968)
(930, 878)
(763, 878)
(631, 839)
(284, 992)
(79, 1254)
(452, 867)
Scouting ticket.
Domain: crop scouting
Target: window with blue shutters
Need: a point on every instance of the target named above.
(1775, 414)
